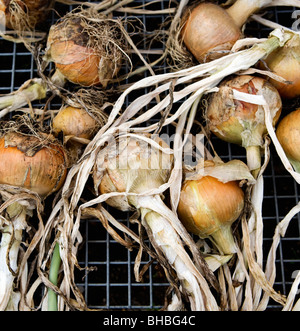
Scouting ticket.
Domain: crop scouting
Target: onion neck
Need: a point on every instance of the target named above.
(223, 240)
(254, 159)
(58, 78)
(241, 10)
(252, 141)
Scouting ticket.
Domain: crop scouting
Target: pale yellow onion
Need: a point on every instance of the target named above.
(288, 134)
(208, 208)
(243, 122)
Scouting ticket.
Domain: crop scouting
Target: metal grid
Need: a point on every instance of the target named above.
(112, 285)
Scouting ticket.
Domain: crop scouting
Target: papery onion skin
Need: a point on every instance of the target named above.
(288, 134)
(230, 119)
(42, 170)
(75, 56)
(285, 62)
(209, 32)
(75, 122)
(137, 169)
(37, 11)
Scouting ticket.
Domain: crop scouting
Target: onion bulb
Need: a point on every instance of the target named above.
(74, 122)
(209, 31)
(38, 166)
(30, 12)
(86, 48)
(242, 122)
(26, 162)
(208, 207)
(133, 166)
(77, 127)
(285, 62)
(288, 134)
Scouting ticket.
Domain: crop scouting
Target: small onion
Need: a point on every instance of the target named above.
(84, 49)
(35, 11)
(77, 126)
(241, 122)
(208, 208)
(285, 62)
(73, 121)
(288, 134)
(28, 163)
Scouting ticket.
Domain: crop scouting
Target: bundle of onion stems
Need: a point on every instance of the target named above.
(188, 86)
(33, 166)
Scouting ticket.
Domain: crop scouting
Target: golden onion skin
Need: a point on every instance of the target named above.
(74, 122)
(206, 205)
(229, 118)
(209, 32)
(288, 134)
(23, 164)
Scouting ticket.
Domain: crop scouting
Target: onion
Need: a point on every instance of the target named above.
(209, 31)
(33, 12)
(77, 126)
(29, 163)
(285, 62)
(288, 134)
(25, 162)
(243, 122)
(86, 48)
(208, 207)
(74, 122)
(137, 170)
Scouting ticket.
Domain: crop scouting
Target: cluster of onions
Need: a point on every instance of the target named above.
(35, 165)
(285, 62)
(211, 201)
(236, 120)
(209, 31)
(30, 12)
(288, 134)
(86, 48)
(131, 171)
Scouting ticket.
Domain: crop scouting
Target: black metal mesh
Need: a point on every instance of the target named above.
(111, 285)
